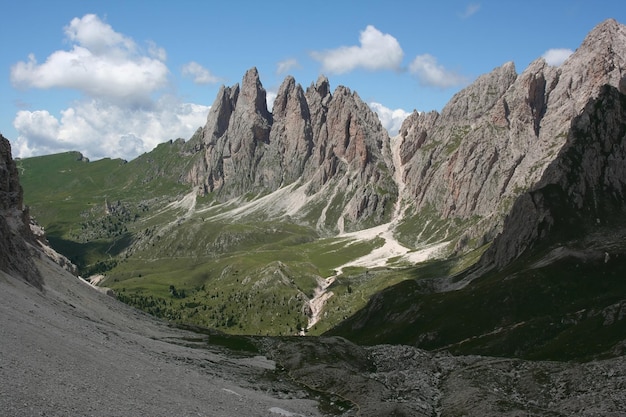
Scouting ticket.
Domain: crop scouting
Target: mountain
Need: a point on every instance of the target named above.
(292, 220)
(551, 281)
(331, 144)
(491, 235)
(551, 284)
(495, 138)
(69, 349)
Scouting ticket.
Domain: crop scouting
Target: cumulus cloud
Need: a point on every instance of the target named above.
(430, 73)
(389, 118)
(39, 127)
(199, 74)
(287, 65)
(103, 129)
(123, 111)
(101, 63)
(555, 57)
(377, 51)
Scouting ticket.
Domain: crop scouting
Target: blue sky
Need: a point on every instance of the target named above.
(115, 78)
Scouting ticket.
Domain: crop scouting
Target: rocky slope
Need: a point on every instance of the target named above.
(71, 350)
(14, 221)
(332, 144)
(496, 138)
(582, 190)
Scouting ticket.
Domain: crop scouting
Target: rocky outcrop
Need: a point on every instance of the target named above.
(582, 190)
(15, 235)
(332, 144)
(463, 167)
(495, 139)
(391, 380)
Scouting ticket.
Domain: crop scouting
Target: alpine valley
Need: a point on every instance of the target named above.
(474, 264)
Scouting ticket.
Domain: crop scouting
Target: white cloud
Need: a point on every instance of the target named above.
(390, 119)
(103, 129)
(287, 65)
(470, 10)
(199, 74)
(101, 63)
(40, 126)
(429, 72)
(124, 111)
(378, 51)
(97, 36)
(156, 51)
(555, 57)
(270, 96)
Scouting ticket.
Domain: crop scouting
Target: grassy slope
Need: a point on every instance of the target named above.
(566, 310)
(69, 195)
(252, 275)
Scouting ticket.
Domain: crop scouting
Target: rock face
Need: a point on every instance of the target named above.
(463, 167)
(332, 144)
(14, 221)
(581, 191)
(495, 138)
(400, 380)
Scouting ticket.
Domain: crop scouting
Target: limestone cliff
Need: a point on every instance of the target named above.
(331, 144)
(495, 139)
(582, 191)
(15, 234)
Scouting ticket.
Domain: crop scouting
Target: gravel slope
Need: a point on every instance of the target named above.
(70, 350)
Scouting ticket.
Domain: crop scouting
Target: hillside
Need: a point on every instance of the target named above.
(472, 265)
(289, 221)
(69, 349)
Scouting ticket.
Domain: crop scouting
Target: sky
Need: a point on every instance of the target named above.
(116, 78)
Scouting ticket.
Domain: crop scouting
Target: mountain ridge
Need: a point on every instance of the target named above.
(532, 321)
(320, 172)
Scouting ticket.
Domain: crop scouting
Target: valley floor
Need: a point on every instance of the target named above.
(71, 350)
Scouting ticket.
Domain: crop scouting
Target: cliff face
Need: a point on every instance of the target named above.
(14, 221)
(581, 192)
(332, 144)
(495, 138)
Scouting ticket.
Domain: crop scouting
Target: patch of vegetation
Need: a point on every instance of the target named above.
(565, 310)
(253, 275)
(426, 226)
(457, 135)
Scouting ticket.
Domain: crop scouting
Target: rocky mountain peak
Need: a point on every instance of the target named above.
(495, 138)
(321, 86)
(289, 99)
(220, 112)
(600, 59)
(473, 101)
(604, 35)
(312, 137)
(253, 93)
